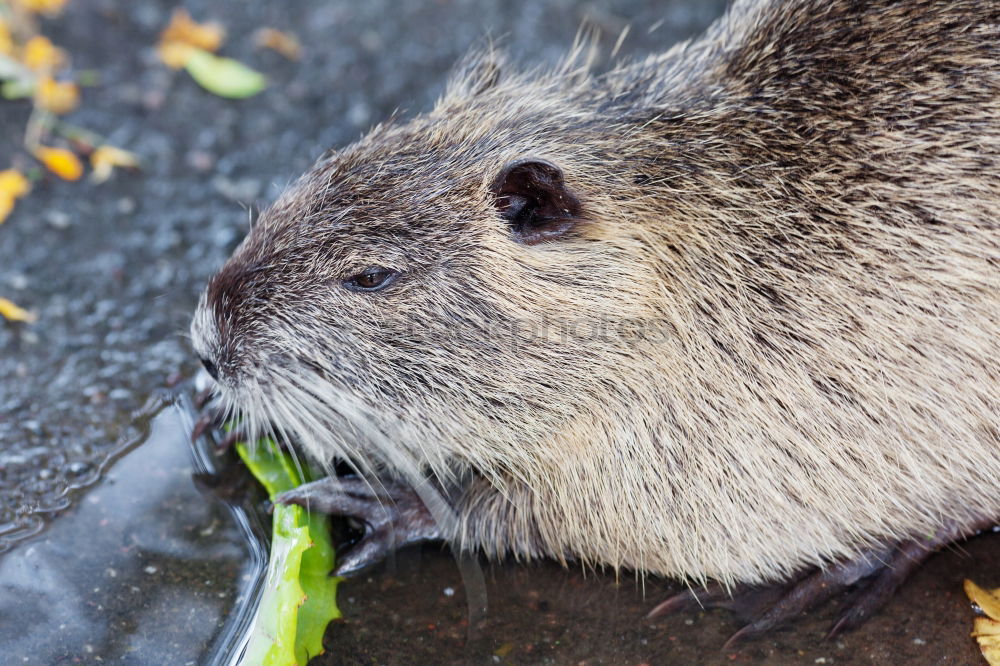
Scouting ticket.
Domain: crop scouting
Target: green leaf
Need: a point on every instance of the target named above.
(17, 89)
(299, 598)
(224, 77)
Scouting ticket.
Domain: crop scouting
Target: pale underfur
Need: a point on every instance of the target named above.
(804, 205)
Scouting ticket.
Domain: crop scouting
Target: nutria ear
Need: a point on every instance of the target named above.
(532, 196)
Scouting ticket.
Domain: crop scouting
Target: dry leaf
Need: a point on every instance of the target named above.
(986, 630)
(41, 55)
(6, 40)
(49, 7)
(13, 185)
(184, 31)
(63, 163)
(284, 43)
(10, 311)
(59, 97)
(988, 600)
(105, 158)
(6, 207)
(174, 54)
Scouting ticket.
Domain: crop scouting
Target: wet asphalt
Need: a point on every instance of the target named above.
(114, 271)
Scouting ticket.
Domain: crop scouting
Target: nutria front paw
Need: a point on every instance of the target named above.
(393, 516)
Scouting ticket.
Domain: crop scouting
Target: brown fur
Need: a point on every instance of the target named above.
(771, 341)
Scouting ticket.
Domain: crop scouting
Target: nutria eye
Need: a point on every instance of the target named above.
(371, 279)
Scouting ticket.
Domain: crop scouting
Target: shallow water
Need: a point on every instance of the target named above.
(143, 565)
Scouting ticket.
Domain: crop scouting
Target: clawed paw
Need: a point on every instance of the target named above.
(393, 516)
(874, 576)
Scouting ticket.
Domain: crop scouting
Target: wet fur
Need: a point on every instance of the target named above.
(789, 242)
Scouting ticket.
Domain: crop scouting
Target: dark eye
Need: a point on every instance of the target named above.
(371, 279)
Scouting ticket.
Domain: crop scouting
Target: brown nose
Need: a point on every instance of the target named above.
(210, 367)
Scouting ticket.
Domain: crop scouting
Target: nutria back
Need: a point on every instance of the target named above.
(726, 312)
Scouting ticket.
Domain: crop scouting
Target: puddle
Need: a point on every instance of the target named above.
(143, 565)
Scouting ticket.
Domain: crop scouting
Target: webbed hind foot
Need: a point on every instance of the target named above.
(874, 575)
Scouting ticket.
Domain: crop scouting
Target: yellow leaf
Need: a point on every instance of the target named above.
(41, 55)
(283, 42)
(49, 7)
(183, 29)
(105, 158)
(10, 311)
(13, 183)
(988, 600)
(174, 54)
(987, 629)
(63, 163)
(6, 206)
(6, 41)
(59, 97)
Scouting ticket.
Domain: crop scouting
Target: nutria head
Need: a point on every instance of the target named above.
(436, 289)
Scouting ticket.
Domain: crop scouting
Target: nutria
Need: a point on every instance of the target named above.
(728, 313)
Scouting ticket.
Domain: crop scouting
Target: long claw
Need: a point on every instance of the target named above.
(690, 599)
(203, 423)
(883, 585)
(393, 516)
(373, 548)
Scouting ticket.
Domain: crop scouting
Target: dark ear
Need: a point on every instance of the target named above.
(532, 197)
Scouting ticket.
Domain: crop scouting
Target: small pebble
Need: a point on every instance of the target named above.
(57, 219)
(120, 394)
(200, 160)
(126, 205)
(449, 591)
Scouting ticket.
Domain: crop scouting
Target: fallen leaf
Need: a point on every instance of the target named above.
(6, 40)
(13, 183)
(49, 7)
(174, 54)
(184, 31)
(986, 627)
(986, 630)
(988, 600)
(284, 43)
(6, 206)
(105, 158)
(41, 55)
(59, 97)
(224, 77)
(11, 312)
(63, 163)
(17, 88)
